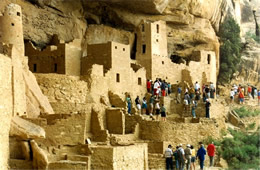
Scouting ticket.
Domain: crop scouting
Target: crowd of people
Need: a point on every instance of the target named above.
(158, 87)
(152, 108)
(241, 91)
(186, 158)
(192, 96)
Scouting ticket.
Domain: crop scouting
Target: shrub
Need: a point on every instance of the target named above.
(229, 50)
(244, 112)
(252, 35)
(241, 152)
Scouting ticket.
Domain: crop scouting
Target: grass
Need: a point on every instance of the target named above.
(244, 112)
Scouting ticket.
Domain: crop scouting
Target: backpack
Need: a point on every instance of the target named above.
(180, 156)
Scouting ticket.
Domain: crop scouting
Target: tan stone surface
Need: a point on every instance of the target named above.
(66, 164)
(40, 160)
(115, 121)
(24, 129)
(6, 107)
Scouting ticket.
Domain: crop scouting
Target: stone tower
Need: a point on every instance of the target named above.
(151, 45)
(11, 27)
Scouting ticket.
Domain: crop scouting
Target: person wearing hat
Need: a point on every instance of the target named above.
(181, 157)
(168, 155)
(187, 152)
(207, 105)
(201, 155)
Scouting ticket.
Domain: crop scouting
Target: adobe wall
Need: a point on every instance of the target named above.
(115, 121)
(62, 88)
(46, 59)
(97, 54)
(11, 30)
(5, 108)
(112, 72)
(63, 129)
(177, 133)
(120, 157)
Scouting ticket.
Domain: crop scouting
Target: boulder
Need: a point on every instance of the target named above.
(25, 130)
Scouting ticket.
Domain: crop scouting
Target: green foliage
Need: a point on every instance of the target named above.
(242, 151)
(244, 112)
(252, 35)
(229, 50)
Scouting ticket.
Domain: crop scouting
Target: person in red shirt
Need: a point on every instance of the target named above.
(211, 153)
(249, 91)
(148, 85)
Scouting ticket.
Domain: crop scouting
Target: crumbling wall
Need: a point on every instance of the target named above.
(64, 129)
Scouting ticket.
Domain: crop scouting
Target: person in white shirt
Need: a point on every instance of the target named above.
(232, 94)
(196, 86)
(168, 155)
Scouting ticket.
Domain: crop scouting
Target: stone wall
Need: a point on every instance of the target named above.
(156, 161)
(64, 129)
(120, 157)
(177, 133)
(5, 108)
(115, 121)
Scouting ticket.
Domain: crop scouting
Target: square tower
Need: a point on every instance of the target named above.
(151, 44)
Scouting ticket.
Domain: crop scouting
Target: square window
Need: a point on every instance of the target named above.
(139, 81)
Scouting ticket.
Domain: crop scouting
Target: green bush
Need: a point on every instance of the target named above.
(242, 151)
(252, 35)
(229, 50)
(244, 112)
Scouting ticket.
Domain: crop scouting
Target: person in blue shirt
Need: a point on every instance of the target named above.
(201, 155)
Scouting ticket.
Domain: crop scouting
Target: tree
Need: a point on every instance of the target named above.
(229, 50)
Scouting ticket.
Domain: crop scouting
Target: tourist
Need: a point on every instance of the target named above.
(156, 88)
(196, 86)
(235, 89)
(187, 97)
(163, 88)
(151, 104)
(255, 92)
(197, 97)
(152, 89)
(207, 105)
(169, 88)
(187, 152)
(128, 100)
(241, 97)
(179, 95)
(232, 94)
(148, 86)
(258, 97)
(201, 155)
(168, 155)
(138, 103)
(207, 92)
(193, 158)
(249, 91)
(192, 92)
(181, 157)
(144, 106)
(175, 154)
(211, 153)
(163, 113)
(157, 109)
(193, 107)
